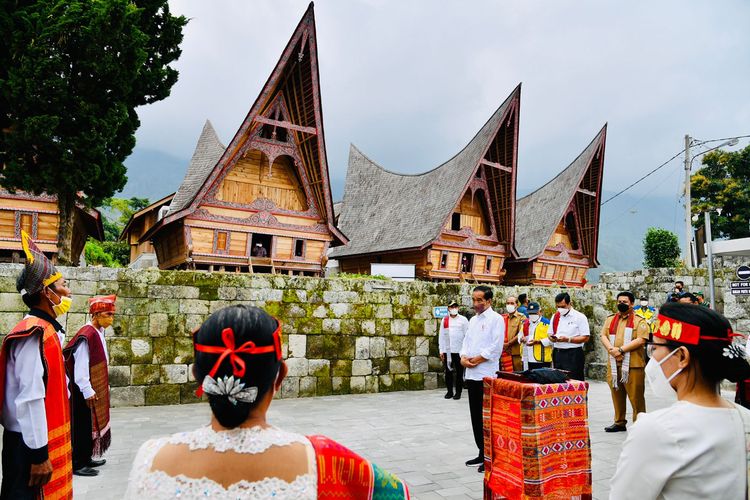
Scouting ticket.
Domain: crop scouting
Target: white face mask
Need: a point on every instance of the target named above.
(510, 308)
(644, 303)
(563, 310)
(533, 318)
(452, 312)
(658, 381)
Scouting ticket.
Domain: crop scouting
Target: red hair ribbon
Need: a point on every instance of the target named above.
(229, 350)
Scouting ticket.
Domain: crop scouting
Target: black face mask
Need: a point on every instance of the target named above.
(623, 308)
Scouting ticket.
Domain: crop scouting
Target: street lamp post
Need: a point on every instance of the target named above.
(710, 256)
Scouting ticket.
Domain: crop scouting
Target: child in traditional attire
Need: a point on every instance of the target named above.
(87, 361)
(33, 387)
(239, 454)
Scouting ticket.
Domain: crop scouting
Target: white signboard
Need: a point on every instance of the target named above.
(397, 272)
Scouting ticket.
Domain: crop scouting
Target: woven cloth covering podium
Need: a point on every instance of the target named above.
(536, 439)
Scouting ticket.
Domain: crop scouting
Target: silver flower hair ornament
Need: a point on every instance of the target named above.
(231, 387)
(734, 351)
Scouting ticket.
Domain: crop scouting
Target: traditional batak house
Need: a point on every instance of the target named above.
(557, 226)
(142, 253)
(38, 215)
(263, 203)
(453, 222)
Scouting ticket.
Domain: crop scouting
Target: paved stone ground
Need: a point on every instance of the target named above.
(418, 435)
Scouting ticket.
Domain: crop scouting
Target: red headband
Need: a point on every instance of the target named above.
(685, 333)
(238, 364)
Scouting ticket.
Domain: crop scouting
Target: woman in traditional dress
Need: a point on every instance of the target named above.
(697, 447)
(240, 455)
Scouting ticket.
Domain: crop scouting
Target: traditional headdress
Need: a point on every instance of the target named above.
(40, 272)
(102, 303)
(685, 333)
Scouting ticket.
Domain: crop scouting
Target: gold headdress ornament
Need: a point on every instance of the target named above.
(40, 272)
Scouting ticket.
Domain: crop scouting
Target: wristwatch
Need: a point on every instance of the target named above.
(621, 351)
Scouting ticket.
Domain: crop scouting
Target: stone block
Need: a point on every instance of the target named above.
(164, 350)
(320, 312)
(158, 324)
(297, 346)
(319, 367)
(398, 365)
(423, 346)
(340, 310)
(173, 292)
(227, 293)
(385, 383)
(144, 375)
(377, 347)
(324, 387)
(298, 367)
(418, 364)
(434, 364)
(141, 349)
(295, 311)
(308, 386)
(290, 387)
(8, 320)
(74, 322)
(384, 311)
(341, 368)
(119, 351)
(163, 394)
(187, 393)
(362, 348)
(340, 385)
(330, 347)
(174, 374)
(127, 396)
(193, 306)
(430, 381)
(400, 346)
(350, 326)
(400, 327)
(119, 376)
(358, 385)
(361, 367)
(368, 327)
(342, 297)
(401, 382)
(308, 325)
(331, 325)
(184, 351)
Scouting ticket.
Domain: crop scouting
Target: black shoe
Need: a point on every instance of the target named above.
(481, 468)
(86, 471)
(474, 462)
(457, 396)
(97, 463)
(448, 395)
(615, 428)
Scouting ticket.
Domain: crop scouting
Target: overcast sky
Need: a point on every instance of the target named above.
(410, 82)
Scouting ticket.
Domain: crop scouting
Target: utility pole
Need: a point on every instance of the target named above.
(688, 207)
(709, 244)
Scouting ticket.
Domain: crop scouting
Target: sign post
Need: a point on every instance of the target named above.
(743, 273)
(440, 312)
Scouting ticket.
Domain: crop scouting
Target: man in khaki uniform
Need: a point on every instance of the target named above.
(514, 324)
(624, 336)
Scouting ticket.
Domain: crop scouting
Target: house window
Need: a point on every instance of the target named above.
(299, 248)
(27, 224)
(467, 263)
(222, 241)
(444, 260)
(488, 265)
(456, 222)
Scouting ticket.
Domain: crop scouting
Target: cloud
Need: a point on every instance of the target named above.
(411, 82)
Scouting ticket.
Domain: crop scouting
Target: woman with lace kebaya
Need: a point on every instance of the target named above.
(239, 454)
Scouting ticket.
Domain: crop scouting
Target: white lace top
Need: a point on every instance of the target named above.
(145, 483)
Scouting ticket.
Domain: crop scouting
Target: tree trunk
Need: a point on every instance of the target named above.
(66, 207)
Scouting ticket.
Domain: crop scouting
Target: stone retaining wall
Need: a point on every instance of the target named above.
(340, 336)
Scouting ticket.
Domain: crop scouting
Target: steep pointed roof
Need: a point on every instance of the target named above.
(207, 152)
(539, 213)
(386, 211)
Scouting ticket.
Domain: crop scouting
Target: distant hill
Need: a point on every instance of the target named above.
(623, 224)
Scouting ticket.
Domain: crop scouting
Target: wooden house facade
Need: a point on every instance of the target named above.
(38, 215)
(557, 226)
(455, 222)
(263, 203)
(142, 252)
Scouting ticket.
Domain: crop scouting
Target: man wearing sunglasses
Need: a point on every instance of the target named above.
(624, 336)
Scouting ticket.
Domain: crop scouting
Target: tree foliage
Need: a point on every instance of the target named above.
(72, 73)
(660, 248)
(116, 212)
(724, 182)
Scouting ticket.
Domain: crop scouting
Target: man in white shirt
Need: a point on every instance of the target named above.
(480, 355)
(569, 331)
(451, 338)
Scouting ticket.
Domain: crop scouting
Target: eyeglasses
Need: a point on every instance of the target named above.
(651, 346)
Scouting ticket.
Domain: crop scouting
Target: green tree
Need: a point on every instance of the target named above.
(116, 212)
(660, 248)
(724, 182)
(72, 73)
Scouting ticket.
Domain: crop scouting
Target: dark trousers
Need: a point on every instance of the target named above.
(475, 388)
(534, 366)
(16, 469)
(81, 440)
(571, 360)
(452, 381)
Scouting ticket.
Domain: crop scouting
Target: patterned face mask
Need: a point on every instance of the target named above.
(63, 306)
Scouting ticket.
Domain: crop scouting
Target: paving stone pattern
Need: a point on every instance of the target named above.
(420, 436)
